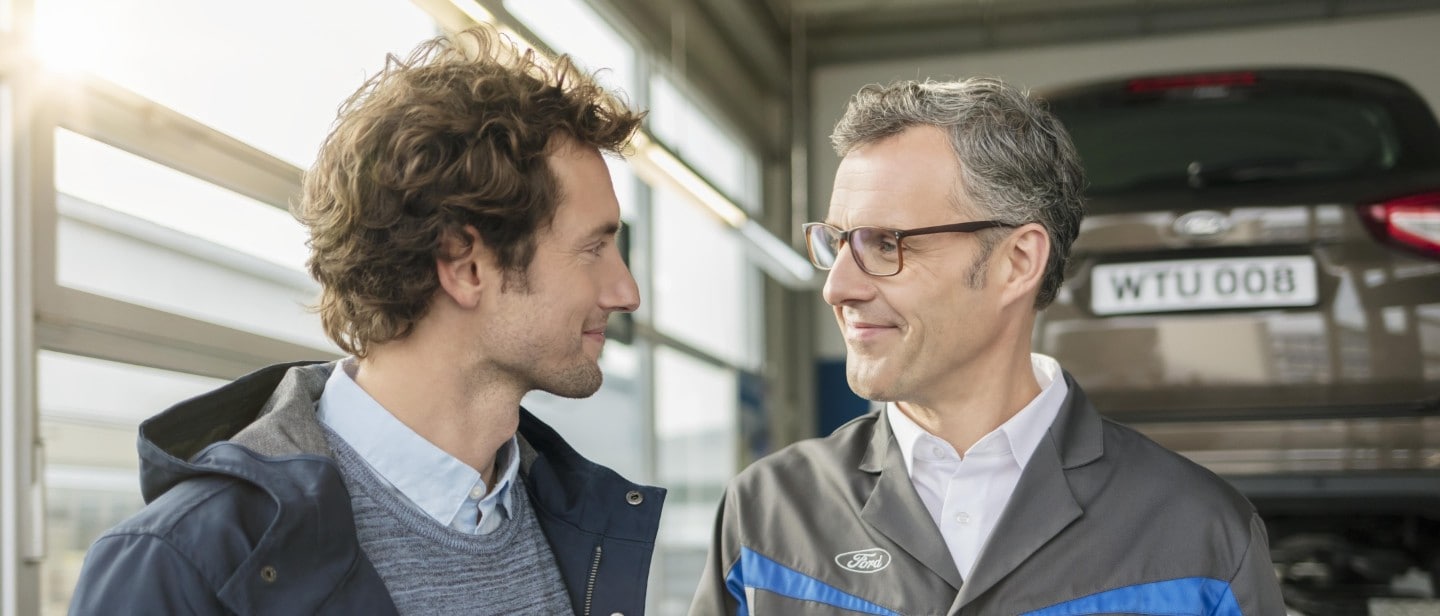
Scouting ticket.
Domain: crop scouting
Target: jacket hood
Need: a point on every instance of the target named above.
(270, 411)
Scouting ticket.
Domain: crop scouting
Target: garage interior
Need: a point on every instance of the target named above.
(1352, 491)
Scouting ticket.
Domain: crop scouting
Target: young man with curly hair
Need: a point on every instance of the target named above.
(463, 229)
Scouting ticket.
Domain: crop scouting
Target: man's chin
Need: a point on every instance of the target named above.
(578, 383)
(869, 385)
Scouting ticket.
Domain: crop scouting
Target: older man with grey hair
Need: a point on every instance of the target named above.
(987, 484)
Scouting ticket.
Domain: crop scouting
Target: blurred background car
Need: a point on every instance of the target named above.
(1257, 286)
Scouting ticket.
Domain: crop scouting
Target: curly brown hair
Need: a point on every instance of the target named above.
(456, 135)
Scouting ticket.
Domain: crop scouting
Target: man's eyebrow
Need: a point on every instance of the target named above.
(606, 230)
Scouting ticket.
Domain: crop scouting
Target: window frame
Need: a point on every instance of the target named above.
(83, 323)
(38, 313)
(21, 492)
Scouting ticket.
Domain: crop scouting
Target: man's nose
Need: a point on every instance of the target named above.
(846, 282)
(622, 294)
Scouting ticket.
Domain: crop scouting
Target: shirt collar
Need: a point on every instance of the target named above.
(434, 481)
(1023, 431)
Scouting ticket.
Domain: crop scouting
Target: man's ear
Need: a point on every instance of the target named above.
(1026, 253)
(464, 267)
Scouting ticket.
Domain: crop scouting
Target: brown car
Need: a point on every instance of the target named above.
(1257, 286)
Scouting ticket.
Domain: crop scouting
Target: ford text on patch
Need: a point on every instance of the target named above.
(864, 561)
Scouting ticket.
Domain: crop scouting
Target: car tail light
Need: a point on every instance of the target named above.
(1178, 82)
(1412, 223)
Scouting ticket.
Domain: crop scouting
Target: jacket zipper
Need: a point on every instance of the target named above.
(590, 582)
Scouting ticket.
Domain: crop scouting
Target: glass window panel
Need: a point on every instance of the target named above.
(702, 282)
(99, 173)
(572, 27)
(680, 123)
(92, 478)
(696, 429)
(1149, 147)
(610, 426)
(144, 233)
(625, 184)
(268, 72)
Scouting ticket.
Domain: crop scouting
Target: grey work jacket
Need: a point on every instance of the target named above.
(1102, 521)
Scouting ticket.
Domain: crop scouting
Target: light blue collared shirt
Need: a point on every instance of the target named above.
(433, 481)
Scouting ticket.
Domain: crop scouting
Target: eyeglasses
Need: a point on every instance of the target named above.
(876, 250)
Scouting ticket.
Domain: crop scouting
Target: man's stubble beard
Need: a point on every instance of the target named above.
(576, 382)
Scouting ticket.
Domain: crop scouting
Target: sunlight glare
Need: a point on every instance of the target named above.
(66, 39)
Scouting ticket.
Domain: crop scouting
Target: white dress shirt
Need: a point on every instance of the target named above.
(965, 495)
(442, 486)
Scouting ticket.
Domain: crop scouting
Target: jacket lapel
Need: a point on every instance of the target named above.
(895, 509)
(1043, 504)
(601, 527)
(1039, 509)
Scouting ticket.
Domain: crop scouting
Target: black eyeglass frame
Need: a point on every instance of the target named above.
(898, 234)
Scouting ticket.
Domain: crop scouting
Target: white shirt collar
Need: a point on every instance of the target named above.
(434, 481)
(1021, 434)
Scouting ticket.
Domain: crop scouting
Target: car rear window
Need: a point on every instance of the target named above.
(1195, 142)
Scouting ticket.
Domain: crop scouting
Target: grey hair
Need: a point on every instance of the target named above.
(1017, 164)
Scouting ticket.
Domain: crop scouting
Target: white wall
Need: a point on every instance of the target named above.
(1405, 47)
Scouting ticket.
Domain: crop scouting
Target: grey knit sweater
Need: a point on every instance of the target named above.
(430, 568)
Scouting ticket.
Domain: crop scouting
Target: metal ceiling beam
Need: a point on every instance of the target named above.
(965, 27)
(753, 35)
(823, 11)
(729, 52)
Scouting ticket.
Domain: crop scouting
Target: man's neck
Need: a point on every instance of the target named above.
(977, 403)
(467, 416)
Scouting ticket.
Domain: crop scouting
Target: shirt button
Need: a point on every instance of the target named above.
(937, 452)
(477, 493)
(962, 517)
(634, 497)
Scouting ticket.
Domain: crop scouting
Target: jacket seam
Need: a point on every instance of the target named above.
(1240, 566)
(165, 531)
(232, 482)
(1096, 591)
(308, 456)
(535, 507)
(181, 554)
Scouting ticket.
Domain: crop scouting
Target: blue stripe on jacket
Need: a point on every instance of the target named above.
(1194, 596)
(761, 573)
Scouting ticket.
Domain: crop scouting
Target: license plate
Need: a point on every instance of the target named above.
(1203, 284)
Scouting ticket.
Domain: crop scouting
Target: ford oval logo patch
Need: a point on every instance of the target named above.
(864, 561)
(1202, 223)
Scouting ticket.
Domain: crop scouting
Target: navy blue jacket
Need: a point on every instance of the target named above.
(247, 514)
